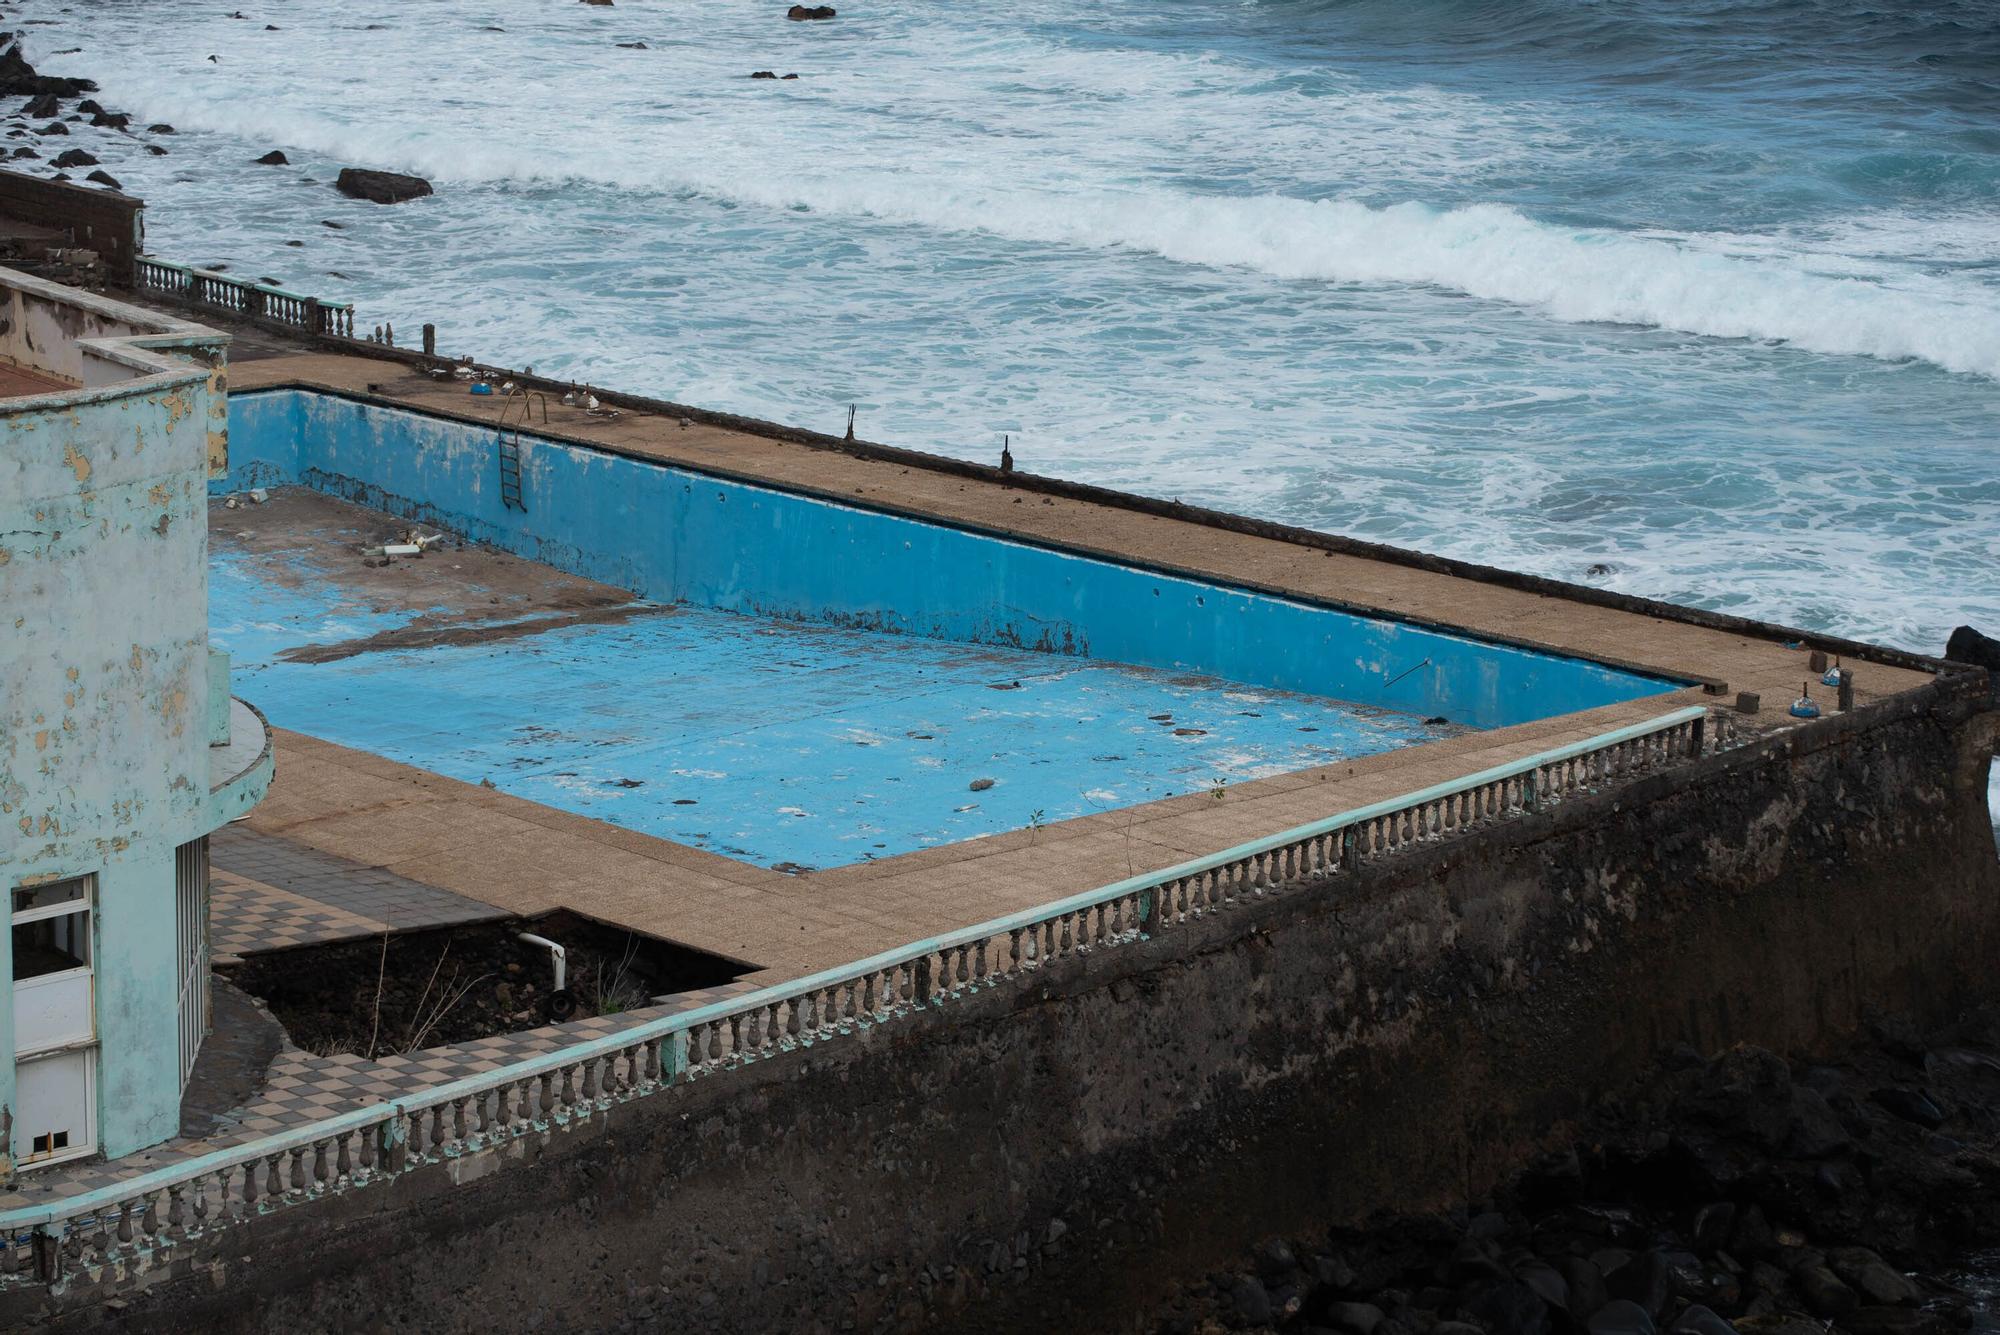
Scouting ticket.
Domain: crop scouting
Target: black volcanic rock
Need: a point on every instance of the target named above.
(380, 187)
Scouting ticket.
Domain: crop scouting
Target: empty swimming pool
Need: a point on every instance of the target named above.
(781, 678)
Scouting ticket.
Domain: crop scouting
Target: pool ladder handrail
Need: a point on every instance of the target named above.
(508, 447)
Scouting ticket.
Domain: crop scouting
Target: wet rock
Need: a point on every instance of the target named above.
(380, 187)
(604, 4)
(1699, 1320)
(45, 105)
(18, 77)
(764, 74)
(1873, 1278)
(1275, 1259)
(1892, 1321)
(1353, 1318)
(1823, 1292)
(54, 127)
(75, 157)
(104, 178)
(295, 244)
(25, 152)
(90, 107)
(980, 785)
(1546, 1282)
(1647, 1279)
(1912, 1105)
(1510, 1309)
(799, 13)
(159, 127)
(1251, 1301)
(1586, 1287)
(156, 150)
(273, 159)
(1621, 1316)
(791, 76)
(633, 46)
(111, 120)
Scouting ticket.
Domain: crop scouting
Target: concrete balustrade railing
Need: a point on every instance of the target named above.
(257, 301)
(154, 1215)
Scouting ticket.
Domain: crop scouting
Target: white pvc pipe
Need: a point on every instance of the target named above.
(556, 952)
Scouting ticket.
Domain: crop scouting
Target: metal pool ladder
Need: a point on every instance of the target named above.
(508, 446)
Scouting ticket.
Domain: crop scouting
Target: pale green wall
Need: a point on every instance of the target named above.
(104, 689)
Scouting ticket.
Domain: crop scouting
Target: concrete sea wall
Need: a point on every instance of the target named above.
(1053, 1154)
(676, 535)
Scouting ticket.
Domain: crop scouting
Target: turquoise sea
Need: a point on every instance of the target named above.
(1698, 299)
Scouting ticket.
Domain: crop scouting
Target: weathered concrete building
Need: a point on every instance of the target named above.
(120, 748)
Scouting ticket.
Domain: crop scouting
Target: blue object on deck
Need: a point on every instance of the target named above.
(482, 388)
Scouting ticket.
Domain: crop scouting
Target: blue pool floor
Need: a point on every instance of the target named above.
(773, 742)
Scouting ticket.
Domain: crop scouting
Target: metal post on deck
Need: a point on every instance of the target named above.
(430, 340)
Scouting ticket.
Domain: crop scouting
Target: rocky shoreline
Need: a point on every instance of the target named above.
(1742, 1193)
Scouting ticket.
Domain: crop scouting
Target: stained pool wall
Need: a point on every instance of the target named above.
(675, 535)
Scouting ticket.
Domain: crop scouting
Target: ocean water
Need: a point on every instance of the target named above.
(1698, 299)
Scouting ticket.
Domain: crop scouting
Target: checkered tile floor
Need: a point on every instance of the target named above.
(301, 1088)
(268, 894)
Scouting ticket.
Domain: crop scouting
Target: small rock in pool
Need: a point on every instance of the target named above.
(273, 159)
(1434, 720)
(980, 785)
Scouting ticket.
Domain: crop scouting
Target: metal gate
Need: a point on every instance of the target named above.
(191, 935)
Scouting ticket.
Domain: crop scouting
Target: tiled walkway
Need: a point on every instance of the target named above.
(270, 894)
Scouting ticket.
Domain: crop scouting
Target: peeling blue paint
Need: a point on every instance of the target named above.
(767, 740)
(675, 535)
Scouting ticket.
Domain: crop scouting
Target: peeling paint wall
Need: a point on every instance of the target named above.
(675, 535)
(104, 691)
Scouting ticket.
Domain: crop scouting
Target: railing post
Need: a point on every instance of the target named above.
(1350, 849)
(430, 340)
(315, 322)
(1700, 735)
(48, 1255)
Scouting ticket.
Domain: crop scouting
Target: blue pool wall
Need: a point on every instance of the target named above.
(675, 535)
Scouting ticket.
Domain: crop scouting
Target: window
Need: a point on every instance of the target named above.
(51, 928)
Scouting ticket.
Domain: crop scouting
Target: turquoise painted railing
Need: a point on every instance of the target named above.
(152, 1215)
(259, 301)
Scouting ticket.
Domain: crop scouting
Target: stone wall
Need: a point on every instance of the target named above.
(100, 220)
(1055, 1155)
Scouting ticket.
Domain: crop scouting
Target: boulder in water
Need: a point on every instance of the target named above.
(380, 187)
(76, 157)
(799, 13)
(46, 105)
(111, 120)
(273, 159)
(104, 178)
(764, 74)
(18, 77)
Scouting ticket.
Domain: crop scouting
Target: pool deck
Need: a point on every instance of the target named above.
(523, 857)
